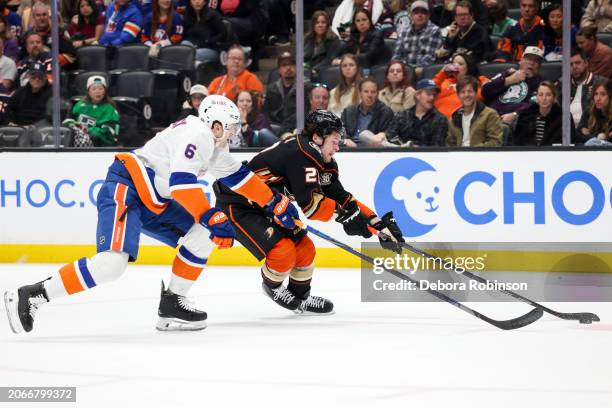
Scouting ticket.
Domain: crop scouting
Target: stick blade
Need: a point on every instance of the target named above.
(518, 322)
(582, 317)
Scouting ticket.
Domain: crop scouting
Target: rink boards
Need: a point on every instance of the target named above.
(48, 213)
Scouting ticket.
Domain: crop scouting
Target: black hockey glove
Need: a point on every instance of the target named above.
(353, 221)
(390, 234)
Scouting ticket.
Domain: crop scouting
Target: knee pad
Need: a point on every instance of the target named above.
(305, 253)
(108, 266)
(281, 258)
(197, 241)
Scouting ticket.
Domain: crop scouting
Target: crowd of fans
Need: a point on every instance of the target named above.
(398, 72)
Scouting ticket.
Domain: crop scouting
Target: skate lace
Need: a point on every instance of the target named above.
(35, 303)
(186, 304)
(314, 301)
(283, 294)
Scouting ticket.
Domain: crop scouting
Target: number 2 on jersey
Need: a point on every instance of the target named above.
(311, 175)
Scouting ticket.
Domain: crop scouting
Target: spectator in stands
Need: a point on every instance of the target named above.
(599, 54)
(540, 123)
(462, 65)
(443, 13)
(28, 106)
(68, 8)
(346, 93)
(237, 79)
(95, 120)
(398, 93)
(319, 97)
(393, 12)
(145, 7)
(35, 52)
(465, 35)
(499, 16)
(5, 100)
(418, 43)
(162, 27)
(582, 80)
(366, 122)
(11, 20)
(365, 42)
(280, 102)
(421, 125)
(123, 23)
(41, 15)
(473, 124)
(86, 26)
(553, 40)
(511, 91)
(344, 15)
(204, 30)
(596, 124)
(26, 14)
(248, 19)
(254, 126)
(528, 32)
(321, 46)
(11, 45)
(282, 17)
(598, 13)
(197, 93)
(8, 69)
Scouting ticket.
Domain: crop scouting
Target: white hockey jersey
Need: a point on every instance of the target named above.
(167, 167)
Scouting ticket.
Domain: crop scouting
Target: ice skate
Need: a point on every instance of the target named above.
(282, 296)
(177, 313)
(315, 305)
(21, 308)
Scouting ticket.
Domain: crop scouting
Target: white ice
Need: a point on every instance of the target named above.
(255, 354)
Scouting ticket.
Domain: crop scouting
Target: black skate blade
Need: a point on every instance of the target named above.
(174, 324)
(10, 304)
(305, 313)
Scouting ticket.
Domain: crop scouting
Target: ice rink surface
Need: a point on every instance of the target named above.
(255, 354)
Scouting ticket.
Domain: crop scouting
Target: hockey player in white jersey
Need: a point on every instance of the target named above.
(154, 190)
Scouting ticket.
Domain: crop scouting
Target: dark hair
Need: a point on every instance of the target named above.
(157, 16)
(465, 4)
(315, 17)
(92, 19)
(406, 77)
(467, 80)
(498, 11)
(589, 32)
(547, 28)
(193, 15)
(106, 99)
(365, 80)
(577, 51)
(593, 124)
(472, 67)
(255, 98)
(7, 31)
(354, 30)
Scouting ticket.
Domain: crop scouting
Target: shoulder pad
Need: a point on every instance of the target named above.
(311, 151)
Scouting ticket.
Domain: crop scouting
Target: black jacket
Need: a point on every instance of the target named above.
(525, 131)
(475, 42)
(381, 118)
(429, 131)
(370, 51)
(26, 108)
(279, 107)
(208, 32)
(318, 57)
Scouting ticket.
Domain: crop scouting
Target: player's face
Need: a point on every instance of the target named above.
(197, 4)
(578, 66)
(97, 93)
(330, 146)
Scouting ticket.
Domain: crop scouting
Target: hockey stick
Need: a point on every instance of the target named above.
(511, 324)
(582, 317)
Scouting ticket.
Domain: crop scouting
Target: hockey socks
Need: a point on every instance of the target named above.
(186, 269)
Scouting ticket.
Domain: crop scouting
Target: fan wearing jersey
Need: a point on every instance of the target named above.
(303, 169)
(155, 190)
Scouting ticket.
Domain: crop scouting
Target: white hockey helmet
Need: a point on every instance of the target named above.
(217, 108)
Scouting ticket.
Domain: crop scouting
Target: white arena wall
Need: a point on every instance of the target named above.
(552, 203)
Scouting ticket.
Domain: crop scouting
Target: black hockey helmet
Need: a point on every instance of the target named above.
(323, 123)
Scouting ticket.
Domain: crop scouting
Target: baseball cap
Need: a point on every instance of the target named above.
(531, 50)
(286, 56)
(419, 4)
(198, 89)
(96, 80)
(425, 84)
(37, 68)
